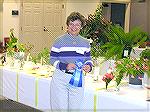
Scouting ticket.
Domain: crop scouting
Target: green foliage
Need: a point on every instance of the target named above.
(95, 50)
(94, 29)
(42, 56)
(130, 66)
(45, 55)
(119, 40)
(118, 78)
(13, 45)
(145, 54)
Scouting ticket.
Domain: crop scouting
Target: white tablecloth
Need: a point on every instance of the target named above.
(9, 83)
(35, 92)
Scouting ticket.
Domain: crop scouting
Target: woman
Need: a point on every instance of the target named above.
(65, 53)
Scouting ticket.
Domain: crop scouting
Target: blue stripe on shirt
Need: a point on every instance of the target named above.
(69, 53)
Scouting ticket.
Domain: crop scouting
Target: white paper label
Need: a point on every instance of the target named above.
(125, 52)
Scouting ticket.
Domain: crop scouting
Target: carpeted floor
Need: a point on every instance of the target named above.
(12, 106)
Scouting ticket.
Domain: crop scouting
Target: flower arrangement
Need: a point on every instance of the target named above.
(13, 45)
(130, 66)
(108, 77)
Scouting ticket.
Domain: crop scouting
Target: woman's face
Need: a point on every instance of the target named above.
(74, 27)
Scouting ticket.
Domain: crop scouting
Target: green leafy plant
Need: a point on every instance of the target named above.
(43, 57)
(145, 55)
(95, 50)
(94, 29)
(119, 40)
(13, 45)
(130, 66)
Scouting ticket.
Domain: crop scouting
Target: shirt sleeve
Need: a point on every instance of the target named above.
(88, 59)
(54, 57)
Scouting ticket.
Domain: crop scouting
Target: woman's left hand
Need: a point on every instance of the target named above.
(86, 68)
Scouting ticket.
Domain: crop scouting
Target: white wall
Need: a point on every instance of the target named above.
(85, 7)
(10, 21)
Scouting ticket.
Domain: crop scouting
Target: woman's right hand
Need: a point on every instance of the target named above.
(71, 66)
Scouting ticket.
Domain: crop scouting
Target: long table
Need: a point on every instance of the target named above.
(34, 91)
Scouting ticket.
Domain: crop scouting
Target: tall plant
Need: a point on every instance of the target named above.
(94, 29)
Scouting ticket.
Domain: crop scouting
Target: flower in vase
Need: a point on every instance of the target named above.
(107, 78)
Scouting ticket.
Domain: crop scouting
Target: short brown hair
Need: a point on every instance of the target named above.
(76, 16)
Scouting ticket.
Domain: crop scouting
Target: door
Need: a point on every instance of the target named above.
(53, 21)
(42, 22)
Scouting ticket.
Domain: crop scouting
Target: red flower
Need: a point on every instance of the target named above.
(145, 67)
(107, 78)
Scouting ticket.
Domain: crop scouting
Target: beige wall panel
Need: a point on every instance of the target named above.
(1, 20)
(138, 16)
(9, 20)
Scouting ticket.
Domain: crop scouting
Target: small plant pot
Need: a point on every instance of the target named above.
(135, 80)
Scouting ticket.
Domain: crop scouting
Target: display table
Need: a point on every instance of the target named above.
(26, 88)
(34, 91)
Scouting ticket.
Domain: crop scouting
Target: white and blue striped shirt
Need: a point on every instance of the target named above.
(68, 49)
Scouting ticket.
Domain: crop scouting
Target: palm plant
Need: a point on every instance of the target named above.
(120, 41)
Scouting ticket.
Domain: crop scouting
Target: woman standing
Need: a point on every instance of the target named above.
(70, 53)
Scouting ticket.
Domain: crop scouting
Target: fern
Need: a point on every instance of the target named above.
(119, 40)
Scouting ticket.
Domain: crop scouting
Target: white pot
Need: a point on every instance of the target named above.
(19, 55)
(9, 61)
(146, 81)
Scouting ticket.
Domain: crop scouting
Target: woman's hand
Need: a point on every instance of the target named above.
(86, 68)
(71, 66)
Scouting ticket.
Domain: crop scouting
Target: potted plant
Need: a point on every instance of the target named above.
(13, 46)
(132, 67)
(95, 27)
(15, 50)
(42, 57)
(121, 43)
(94, 30)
